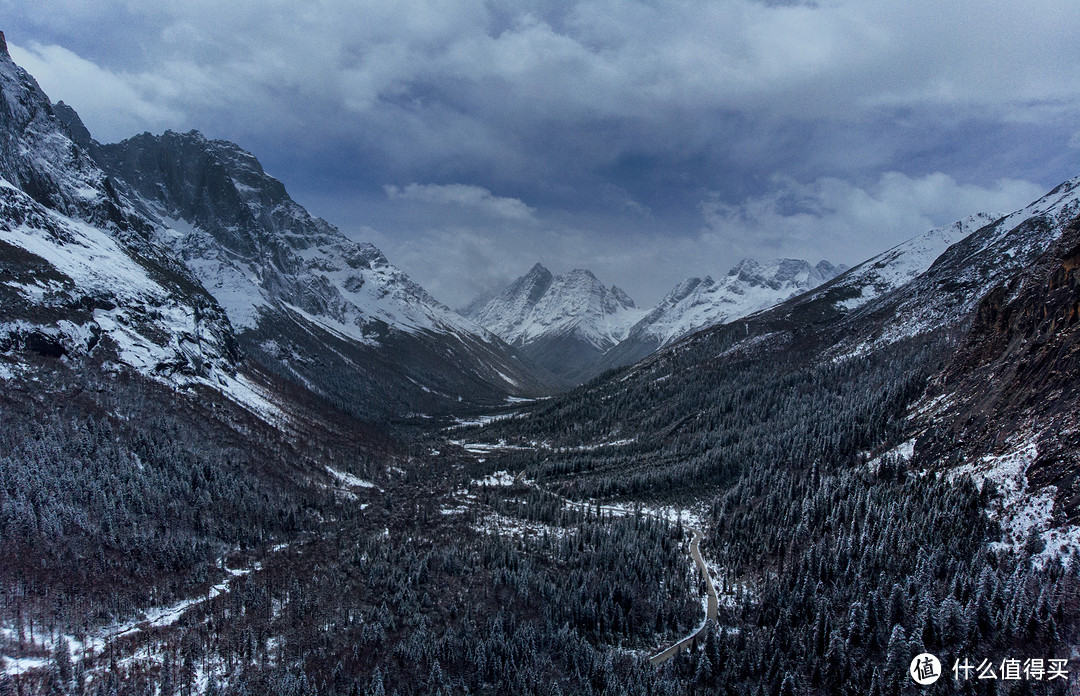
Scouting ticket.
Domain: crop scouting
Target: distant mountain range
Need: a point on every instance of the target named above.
(576, 327)
(552, 329)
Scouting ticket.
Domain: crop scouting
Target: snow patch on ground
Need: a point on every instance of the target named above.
(252, 397)
(347, 479)
(596, 445)
(479, 420)
(487, 447)
(673, 515)
(166, 616)
(1020, 510)
(905, 451)
(499, 478)
(21, 665)
(495, 523)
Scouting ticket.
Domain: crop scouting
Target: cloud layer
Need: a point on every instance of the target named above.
(598, 126)
(476, 198)
(836, 220)
(822, 219)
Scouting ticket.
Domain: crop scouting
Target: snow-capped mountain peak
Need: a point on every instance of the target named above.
(539, 305)
(564, 322)
(544, 314)
(779, 274)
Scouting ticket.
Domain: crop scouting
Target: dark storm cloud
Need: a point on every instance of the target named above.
(648, 141)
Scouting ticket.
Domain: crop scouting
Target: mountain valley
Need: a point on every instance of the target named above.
(243, 453)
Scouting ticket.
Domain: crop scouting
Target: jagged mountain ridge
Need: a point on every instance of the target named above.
(904, 262)
(242, 234)
(39, 158)
(748, 287)
(328, 313)
(82, 274)
(565, 322)
(945, 295)
(887, 298)
(697, 303)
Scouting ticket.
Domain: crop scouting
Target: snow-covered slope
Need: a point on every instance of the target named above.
(697, 303)
(81, 277)
(563, 322)
(329, 313)
(253, 246)
(81, 289)
(947, 292)
(879, 302)
(748, 287)
(87, 285)
(904, 262)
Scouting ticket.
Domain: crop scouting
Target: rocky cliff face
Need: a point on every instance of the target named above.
(251, 244)
(83, 276)
(39, 157)
(329, 313)
(1011, 390)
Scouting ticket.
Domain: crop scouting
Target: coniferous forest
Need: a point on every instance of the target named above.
(435, 577)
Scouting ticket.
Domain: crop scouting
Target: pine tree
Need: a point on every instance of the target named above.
(376, 688)
(62, 661)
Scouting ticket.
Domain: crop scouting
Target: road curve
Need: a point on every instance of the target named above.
(710, 609)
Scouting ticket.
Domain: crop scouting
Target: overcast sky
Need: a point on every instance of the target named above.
(647, 141)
